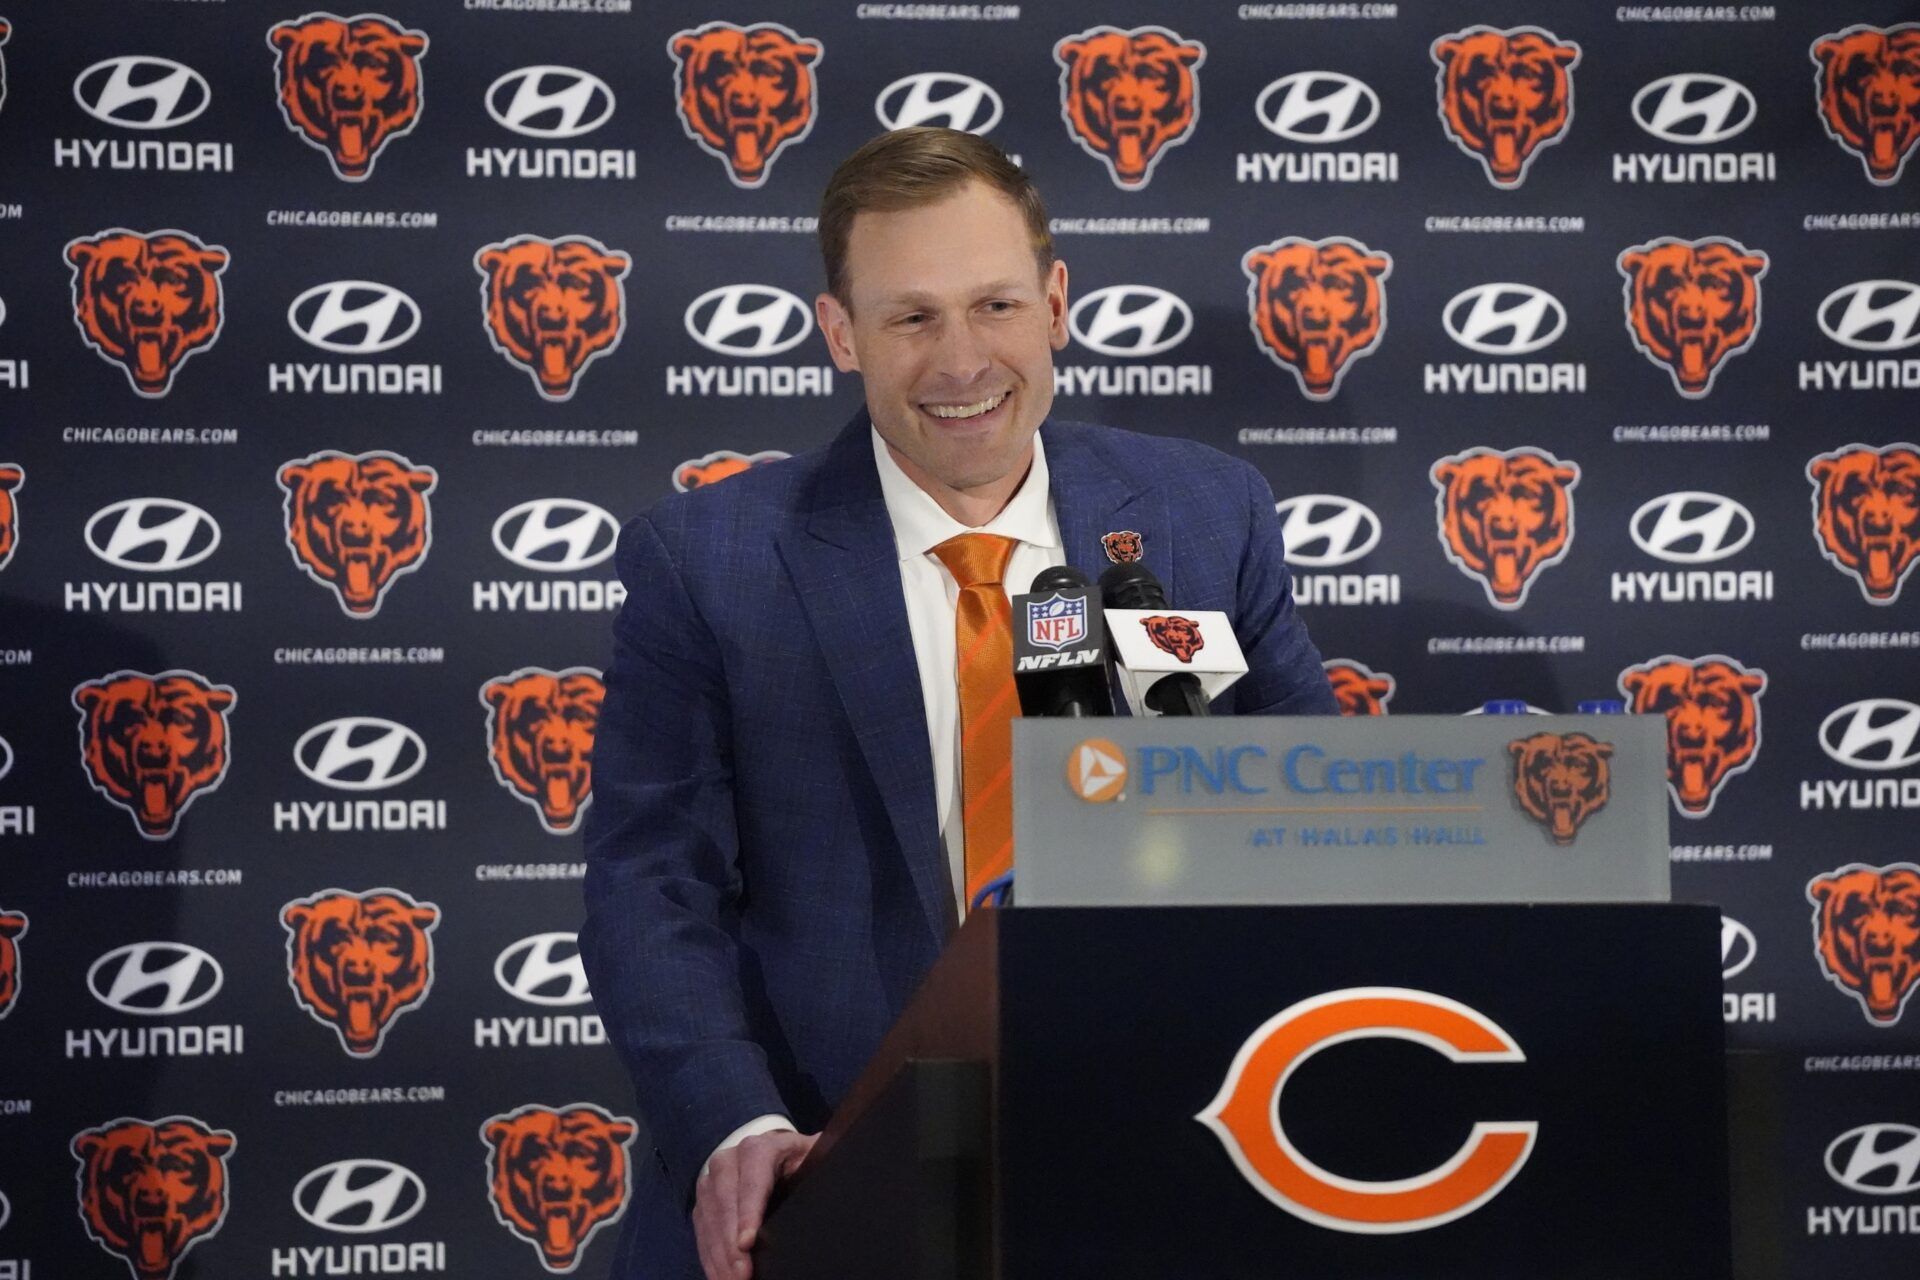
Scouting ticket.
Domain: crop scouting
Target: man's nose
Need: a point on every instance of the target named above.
(962, 355)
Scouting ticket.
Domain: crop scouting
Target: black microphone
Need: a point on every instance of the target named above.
(1060, 651)
(1131, 585)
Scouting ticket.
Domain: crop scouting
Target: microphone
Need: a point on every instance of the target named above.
(1170, 662)
(1060, 651)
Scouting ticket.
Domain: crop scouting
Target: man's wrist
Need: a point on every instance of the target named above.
(772, 1122)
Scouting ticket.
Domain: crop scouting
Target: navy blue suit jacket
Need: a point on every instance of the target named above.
(765, 880)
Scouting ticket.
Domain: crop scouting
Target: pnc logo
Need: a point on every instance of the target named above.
(1505, 94)
(1097, 771)
(556, 535)
(550, 102)
(359, 753)
(1130, 320)
(544, 968)
(139, 92)
(1691, 527)
(745, 94)
(1128, 96)
(150, 1190)
(1324, 530)
(1737, 947)
(151, 535)
(358, 1197)
(1245, 1115)
(354, 317)
(1317, 107)
(943, 98)
(1876, 1159)
(755, 320)
(1872, 315)
(1869, 94)
(1504, 319)
(1874, 733)
(155, 979)
(1694, 109)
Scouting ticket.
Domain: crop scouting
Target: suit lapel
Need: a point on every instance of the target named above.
(1092, 498)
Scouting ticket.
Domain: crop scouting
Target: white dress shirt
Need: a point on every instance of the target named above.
(932, 596)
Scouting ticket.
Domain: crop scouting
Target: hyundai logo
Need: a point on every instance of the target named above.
(939, 97)
(1504, 319)
(748, 320)
(550, 102)
(1130, 320)
(6, 1210)
(3, 310)
(544, 968)
(1876, 1159)
(360, 753)
(1694, 109)
(1690, 527)
(356, 1197)
(1737, 947)
(354, 317)
(6, 758)
(1873, 315)
(151, 535)
(1874, 733)
(154, 979)
(137, 92)
(1344, 530)
(556, 535)
(1317, 107)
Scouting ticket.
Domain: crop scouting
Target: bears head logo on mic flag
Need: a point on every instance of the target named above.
(1173, 634)
(12, 925)
(146, 300)
(1691, 304)
(540, 727)
(348, 86)
(558, 1175)
(12, 476)
(1866, 514)
(1129, 95)
(355, 522)
(1359, 690)
(1505, 94)
(153, 744)
(553, 307)
(745, 93)
(698, 473)
(356, 961)
(1866, 934)
(1504, 516)
(152, 1189)
(1868, 84)
(1712, 706)
(1316, 305)
(1561, 780)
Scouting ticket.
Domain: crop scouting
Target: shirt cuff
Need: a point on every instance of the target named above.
(773, 1122)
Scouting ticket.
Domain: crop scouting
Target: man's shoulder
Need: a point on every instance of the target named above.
(1147, 461)
(766, 496)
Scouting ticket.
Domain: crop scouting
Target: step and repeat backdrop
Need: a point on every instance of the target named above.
(1579, 342)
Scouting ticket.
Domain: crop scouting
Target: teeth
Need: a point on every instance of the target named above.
(965, 410)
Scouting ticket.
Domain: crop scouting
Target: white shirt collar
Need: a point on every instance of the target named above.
(919, 525)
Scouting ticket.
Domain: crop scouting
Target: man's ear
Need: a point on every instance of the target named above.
(836, 326)
(1057, 305)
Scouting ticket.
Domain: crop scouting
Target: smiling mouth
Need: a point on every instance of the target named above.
(967, 412)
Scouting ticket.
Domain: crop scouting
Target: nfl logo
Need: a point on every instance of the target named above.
(1056, 622)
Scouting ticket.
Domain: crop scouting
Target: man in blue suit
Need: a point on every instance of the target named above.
(774, 849)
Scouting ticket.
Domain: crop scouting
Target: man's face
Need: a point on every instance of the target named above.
(952, 330)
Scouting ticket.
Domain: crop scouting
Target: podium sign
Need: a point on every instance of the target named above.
(1322, 809)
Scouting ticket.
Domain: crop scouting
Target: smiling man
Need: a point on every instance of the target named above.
(801, 769)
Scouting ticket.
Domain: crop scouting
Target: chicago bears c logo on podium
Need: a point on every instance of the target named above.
(153, 744)
(1129, 95)
(745, 93)
(1561, 780)
(348, 86)
(1866, 934)
(1712, 706)
(540, 728)
(552, 307)
(146, 300)
(557, 1175)
(1505, 94)
(1316, 305)
(1866, 514)
(152, 1189)
(356, 961)
(1869, 94)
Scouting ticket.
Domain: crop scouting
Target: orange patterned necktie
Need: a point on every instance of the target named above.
(983, 630)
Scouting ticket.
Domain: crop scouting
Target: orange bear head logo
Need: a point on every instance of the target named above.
(540, 727)
(558, 1175)
(1359, 690)
(6, 29)
(12, 925)
(348, 86)
(1866, 514)
(355, 522)
(1869, 83)
(553, 306)
(1175, 635)
(1316, 305)
(356, 961)
(153, 744)
(1561, 780)
(745, 93)
(1505, 94)
(1712, 706)
(12, 476)
(1123, 546)
(698, 473)
(1504, 516)
(1129, 95)
(1866, 932)
(146, 301)
(1691, 304)
(151, 1190)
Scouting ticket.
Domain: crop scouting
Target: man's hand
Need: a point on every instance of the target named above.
(730, 1198)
